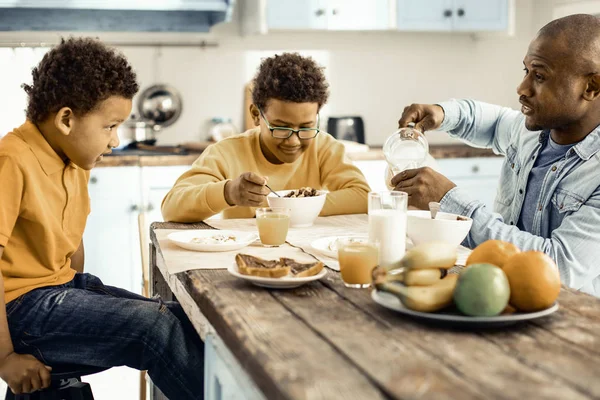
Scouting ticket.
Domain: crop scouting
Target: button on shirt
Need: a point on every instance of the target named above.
(551, 155)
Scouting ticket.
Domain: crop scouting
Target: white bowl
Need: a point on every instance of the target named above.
(303, 210)
(420, 228)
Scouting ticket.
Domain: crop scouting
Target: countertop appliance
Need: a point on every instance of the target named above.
(350, 128)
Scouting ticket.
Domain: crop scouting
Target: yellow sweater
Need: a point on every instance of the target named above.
(199, 193)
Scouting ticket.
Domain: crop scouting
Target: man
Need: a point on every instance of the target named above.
(549, 193)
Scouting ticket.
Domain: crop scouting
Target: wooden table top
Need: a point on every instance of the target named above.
(325, 341)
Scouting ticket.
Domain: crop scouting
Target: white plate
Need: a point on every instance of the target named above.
(390, 301)
(323, 245)
(285, 282)
(184, 239)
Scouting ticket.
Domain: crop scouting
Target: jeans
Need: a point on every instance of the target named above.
(84, 322)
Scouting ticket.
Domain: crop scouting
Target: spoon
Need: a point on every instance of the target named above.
(272, 191)
(434, 207)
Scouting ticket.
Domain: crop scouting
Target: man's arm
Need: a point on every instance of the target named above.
(481, 124)
(78, 258)
(573, 245)
(22, 372)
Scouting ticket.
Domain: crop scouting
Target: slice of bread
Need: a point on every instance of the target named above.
(302, 269)
(251, 265)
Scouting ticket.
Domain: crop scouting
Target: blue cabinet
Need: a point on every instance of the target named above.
(297, 14)
(453, 15)
(328, 14)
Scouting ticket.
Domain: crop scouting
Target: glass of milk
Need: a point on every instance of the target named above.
(387, 225)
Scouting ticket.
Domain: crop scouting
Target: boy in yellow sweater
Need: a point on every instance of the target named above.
(52, 314)
(287, 150)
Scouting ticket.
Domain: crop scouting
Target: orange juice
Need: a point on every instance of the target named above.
(357, 260)
(273, 228)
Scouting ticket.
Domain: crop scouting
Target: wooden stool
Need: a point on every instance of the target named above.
(66, 385)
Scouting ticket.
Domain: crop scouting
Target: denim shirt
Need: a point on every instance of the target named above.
(566, 225)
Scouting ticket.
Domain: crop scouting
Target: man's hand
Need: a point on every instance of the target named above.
(423, 185)
(247, 189)
(24, 373)
(425, 116)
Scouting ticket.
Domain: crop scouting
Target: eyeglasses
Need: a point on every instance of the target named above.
(280, 132)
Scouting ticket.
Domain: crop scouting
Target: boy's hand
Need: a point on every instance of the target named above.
(24, 373)
(247, 189)
(425, 116)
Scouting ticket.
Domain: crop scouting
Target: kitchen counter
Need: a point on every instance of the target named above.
(375, 153)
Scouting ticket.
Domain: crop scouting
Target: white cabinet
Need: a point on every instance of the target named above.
(112, 247)
(112, 252)
(328, 14)
(453, 15)
(478, 176)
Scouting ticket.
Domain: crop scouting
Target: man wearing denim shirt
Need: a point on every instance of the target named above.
(549, 193)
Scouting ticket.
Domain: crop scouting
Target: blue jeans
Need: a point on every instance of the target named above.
(84, 322)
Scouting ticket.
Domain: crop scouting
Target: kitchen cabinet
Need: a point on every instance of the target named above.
(328, 14)
(453, 15)
(478, 176)
(112, 247)
(112, 252)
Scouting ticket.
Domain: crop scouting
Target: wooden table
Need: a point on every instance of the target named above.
(324, 341)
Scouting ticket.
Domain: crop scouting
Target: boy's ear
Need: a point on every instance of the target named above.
(255, 114)
(64, 120)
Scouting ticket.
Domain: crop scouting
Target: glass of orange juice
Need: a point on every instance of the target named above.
(357, 257)
(273, 224)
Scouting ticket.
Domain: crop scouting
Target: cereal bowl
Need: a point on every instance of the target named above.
(303, 210)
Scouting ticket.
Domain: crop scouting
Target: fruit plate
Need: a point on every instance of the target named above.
(208, 239)
(390, 301)
(285, 282)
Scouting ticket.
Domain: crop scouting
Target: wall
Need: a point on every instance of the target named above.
(372, 74)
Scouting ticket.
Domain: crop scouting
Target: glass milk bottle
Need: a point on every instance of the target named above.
(387, 225)
(407, 148)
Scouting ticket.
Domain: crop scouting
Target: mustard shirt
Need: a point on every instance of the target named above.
(44, 204)
(199, 193)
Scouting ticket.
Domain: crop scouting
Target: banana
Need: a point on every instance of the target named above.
(423, 277)
(417, 277)
(423, 298)
(428, 255)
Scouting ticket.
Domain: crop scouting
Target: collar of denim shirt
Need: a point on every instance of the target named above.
(586, 148)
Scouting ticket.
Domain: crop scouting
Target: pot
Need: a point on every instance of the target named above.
(137, 131)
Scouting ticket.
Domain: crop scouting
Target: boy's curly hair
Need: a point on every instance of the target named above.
(290, 77)
(79, 73)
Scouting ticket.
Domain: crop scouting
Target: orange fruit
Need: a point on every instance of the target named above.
(534, 280)
(494, 252)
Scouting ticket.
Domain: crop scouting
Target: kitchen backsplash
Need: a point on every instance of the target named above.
(372, 74)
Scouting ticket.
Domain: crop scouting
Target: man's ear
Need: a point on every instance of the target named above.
(64, 120)
(255, 114)
(592, 90)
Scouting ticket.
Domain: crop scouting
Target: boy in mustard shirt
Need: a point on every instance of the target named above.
(287, 150)
(51, 313)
